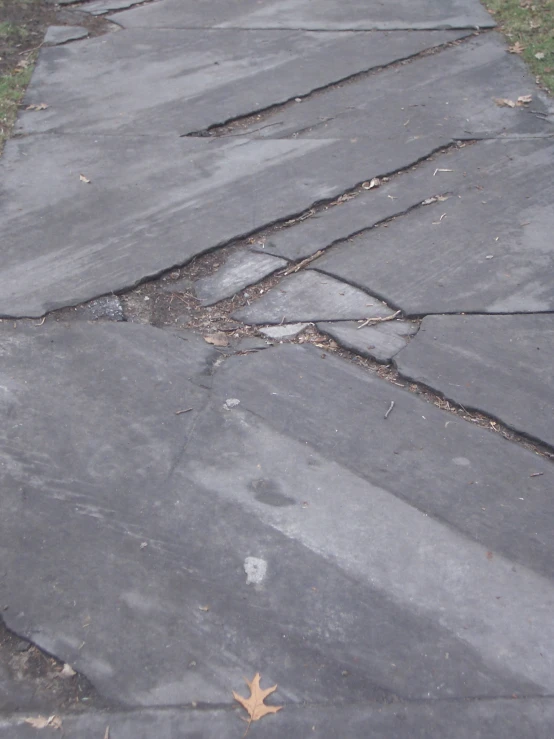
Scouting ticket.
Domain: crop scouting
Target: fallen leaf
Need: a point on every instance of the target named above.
(375, 182)
(539, 55)
(204, 608)
(67, 671)
(254, 705)
(504, 103)
(107, 733)
(84, 179)
(217, 339)
(517, 48)
(37, 106)
(524, 99)
(43, 722)
(23, 64)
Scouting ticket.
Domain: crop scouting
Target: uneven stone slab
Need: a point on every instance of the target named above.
(501, 365)
(152, 520)
(494, 719)
(488, 248)
(433, 98)
(163, 81)
(65, 241)
(99, 7)
(327, 15)
(63, 34)
(241, 269)
(380, 342)
(287, 331)
(309, 296)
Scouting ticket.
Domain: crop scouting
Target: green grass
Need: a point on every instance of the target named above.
(12, 32)
(529, 24)
(12, 89)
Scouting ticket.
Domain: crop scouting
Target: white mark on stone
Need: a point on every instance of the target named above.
(231, 403)
(256, 570)
(461, 461)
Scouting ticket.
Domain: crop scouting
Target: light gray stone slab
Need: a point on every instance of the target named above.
(164, 81)
(65, 241)
(243, 268)
(310, 296)
(100, 7)
(380, 342)
(500, 365)
(327, 15)
(63, 34)
(450, 96)
(488, 248)
(287, 331)
(125, 528)
(490, 719)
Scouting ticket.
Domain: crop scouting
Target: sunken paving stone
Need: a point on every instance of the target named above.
(176, 81)
(63, 34)
(310, 296)
(494, 719)
(185, 551)
(487, 249)
(149, 205)
(243, 268)
(500, 365)
(433, 98)
(328, 15)
(380, 341)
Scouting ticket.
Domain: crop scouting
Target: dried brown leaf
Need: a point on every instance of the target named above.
(375, 182)
(524, 99)
(504, 103)
(84, 179)
(540, 55)
(44, 722)
(517, 48)
(67, 671)
(254, 705)
(217, 339)
(37, 106)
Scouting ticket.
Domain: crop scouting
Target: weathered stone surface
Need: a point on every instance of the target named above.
(287, 331)
(380, 342)
(243, 268)
(99, 471)
(434, 99)
(63, 34)
(310, 296)
(327, 15)
(99, 7)
(488, 248)
(177, 81)
(501, 365)
(69, 241)
(493, 719)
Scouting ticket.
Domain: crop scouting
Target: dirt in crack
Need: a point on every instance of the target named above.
(33, 681)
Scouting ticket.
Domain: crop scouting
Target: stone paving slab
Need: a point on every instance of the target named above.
(155, 82)
(327, 15)
(72, 241)
(480, 719)
(240, 270)
(380, 342)
(310, 296)
(488, 248)
(451, 97)
(501, 365)
(216, 539)
(63, 34)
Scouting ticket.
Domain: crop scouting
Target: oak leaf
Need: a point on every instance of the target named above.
(43, 722)
(254, 705)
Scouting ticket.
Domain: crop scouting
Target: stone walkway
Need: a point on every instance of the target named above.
(276, 374)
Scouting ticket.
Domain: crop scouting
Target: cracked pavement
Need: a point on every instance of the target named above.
(276, 340)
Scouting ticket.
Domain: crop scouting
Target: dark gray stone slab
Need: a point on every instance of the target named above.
(65, 241)
(310, 296)
(127, 531)
(243, 268)
(162, 81)
(501, 365)
(488, 248)
(380, 342)
(479, 719)
(327, 15)
(63, 34)
(433, 98)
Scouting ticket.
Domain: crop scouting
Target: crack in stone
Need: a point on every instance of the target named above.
(227, 127)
